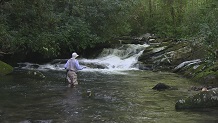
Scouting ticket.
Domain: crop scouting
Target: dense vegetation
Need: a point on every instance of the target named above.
(54, 27)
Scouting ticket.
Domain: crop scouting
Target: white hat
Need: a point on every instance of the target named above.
(74, 55)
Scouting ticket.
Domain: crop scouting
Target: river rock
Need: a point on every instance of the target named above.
(88, 94)
(5, 68)
(161, 86)
(200, 71)
(94, 65)
(36, 74)
(203, 99)
(180, 56)
(59, 61)
(198, 88)
(166, 55)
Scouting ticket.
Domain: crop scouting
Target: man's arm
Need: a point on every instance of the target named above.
(65, 66)
(78, 67)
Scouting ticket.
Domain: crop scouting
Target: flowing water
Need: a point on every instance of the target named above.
(119, 93)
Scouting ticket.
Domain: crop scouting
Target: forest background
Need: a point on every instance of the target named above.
(47, 29)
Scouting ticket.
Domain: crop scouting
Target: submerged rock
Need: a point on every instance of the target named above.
(88, 94)
(29, 74)
(36, 74)
(204, 99)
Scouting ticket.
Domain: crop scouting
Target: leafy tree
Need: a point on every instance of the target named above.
(51, 28)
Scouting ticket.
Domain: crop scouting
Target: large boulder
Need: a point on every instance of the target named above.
(166, 55)
(5, 68)
(200, 71)
(204, 99)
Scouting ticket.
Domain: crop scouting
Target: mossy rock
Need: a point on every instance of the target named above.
(204, 99)
(189, 71)
(192, 70)
(207, 74)
(213, 67)
(177, 46)
(5, 68)
(201, 75)
(200, 68)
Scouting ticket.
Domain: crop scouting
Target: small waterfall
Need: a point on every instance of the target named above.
(124, 57)
(121, 58)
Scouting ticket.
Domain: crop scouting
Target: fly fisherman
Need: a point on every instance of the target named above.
(72, 66)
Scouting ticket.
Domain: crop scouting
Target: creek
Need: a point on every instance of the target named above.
(118, 93)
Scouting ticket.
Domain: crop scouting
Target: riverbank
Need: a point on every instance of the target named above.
(180, 57)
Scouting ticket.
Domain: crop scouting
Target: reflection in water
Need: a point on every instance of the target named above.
(121, 98)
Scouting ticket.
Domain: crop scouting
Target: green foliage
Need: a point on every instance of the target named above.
(107, 18)
(51, 27)
(178, 19)
(209, 29)
(76, 34)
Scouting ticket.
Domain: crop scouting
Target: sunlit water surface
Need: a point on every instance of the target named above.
(116, 97)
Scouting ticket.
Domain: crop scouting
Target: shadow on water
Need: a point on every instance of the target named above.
(99, 97)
